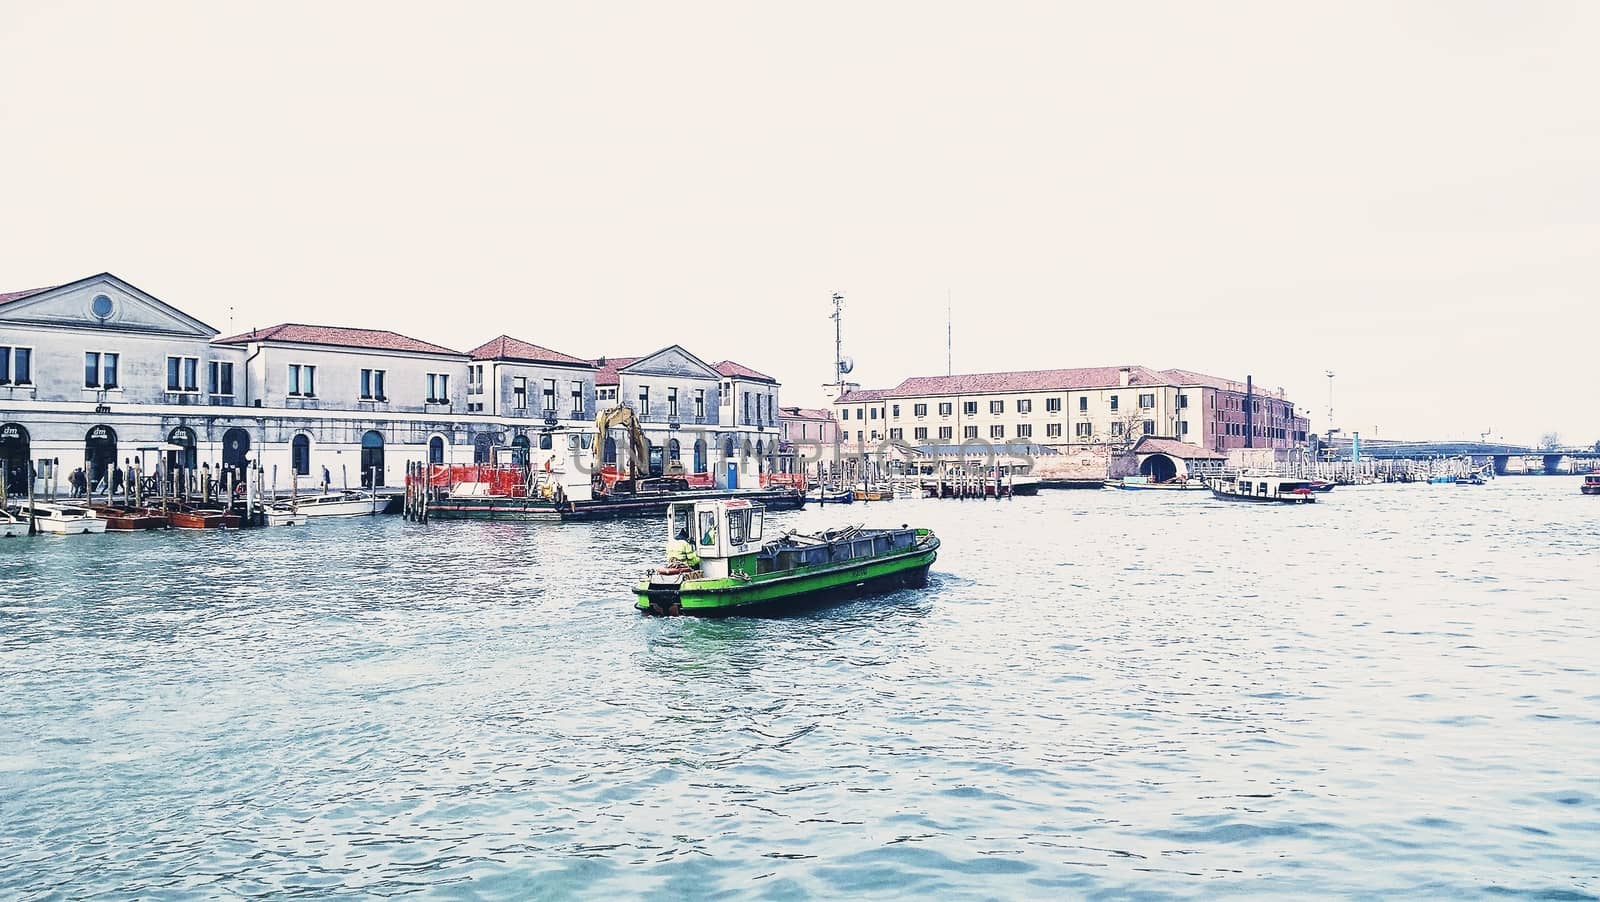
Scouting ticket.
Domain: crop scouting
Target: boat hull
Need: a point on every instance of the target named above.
(72, 526)
(1590, 489)
(202, 520)
(10, 529)
(811, 586)
(1307, 498)
(130, 520)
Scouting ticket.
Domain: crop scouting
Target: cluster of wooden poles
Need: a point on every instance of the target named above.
(416, 497)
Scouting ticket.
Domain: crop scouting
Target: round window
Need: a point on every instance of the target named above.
(101, 306)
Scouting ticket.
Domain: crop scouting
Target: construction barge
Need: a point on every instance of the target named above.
(554, 482)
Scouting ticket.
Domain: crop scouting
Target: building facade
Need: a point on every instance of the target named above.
(1067, 408)
(98, 372)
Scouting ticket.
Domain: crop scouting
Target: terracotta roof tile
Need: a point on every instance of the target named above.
(864, 394)
(1026, 380)
(738, 370)
(1170, 446)
(507, 348)
(8, 296)
(340, 337)
(805, 413)
(608, 369)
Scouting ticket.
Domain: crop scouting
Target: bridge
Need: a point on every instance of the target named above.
(1498, 453)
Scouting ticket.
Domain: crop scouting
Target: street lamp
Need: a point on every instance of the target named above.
(1329, 374)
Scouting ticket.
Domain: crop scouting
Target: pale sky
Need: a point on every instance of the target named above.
(1405, 193)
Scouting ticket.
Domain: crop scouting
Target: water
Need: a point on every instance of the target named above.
(1391, 692)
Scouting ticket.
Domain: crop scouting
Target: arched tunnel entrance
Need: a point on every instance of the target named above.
(1159, 468)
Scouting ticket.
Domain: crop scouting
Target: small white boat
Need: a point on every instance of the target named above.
(285, 516)
(60, 519)
(11, 525)
(338, 504)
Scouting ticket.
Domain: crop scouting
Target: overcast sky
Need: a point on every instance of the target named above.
(1404, 193)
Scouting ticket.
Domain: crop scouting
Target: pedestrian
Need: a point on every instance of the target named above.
(327, 478)
(116, 478)
(78, 482)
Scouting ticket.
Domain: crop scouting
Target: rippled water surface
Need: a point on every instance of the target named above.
(1394, 691)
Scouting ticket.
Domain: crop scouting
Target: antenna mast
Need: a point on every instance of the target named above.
(949, 337)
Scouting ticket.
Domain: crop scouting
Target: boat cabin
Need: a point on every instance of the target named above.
(1262, 487)
(718, 530)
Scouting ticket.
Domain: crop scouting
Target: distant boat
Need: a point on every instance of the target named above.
(1471, 479)
(1145, 483)
(1591, 484)
(1262, 487)
(830, 496)
(129, 519)
(1322, 486)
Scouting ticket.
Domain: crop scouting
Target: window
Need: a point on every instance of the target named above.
(300, 455)
(920, 410)
(946, 408)
(861, 413)
(644, 400)
(920, 433)
(1025, 430)
(1084, 430)
(1147, 401)
(475, 379)
(946, 433)
(1183, 401)
(1083, 403)
(844, 414)
(1113, 402)
(1025, 405)
(302, 379)
(549, 396)
(859, 437)
(894, 409)
(997, 407)
(1149, 427)
(577, 398)
(183, 374)
(873, 413)
(1116, 428)
(1052, 405)
(99, 370)
(1052, 430)
(372, 385)
(700, 404)
(15, 365)
(438, 388)
(220, 373)
(997, 431)
(747, 409)
(895, 434)
(672, 402)
(969, 432)
(519, 393)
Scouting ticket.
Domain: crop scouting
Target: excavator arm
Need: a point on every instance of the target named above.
(639, 449)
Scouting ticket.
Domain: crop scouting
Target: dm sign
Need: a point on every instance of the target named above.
(99, 434)
(11, 432)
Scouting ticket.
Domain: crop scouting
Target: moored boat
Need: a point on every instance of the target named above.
(129, 519)
(1591, 484)
(351, 503)
(1145, 483)
(284, 515)
(11, 525)
(1262, 487)
(718, 564)
(60, 519)
(831, 496)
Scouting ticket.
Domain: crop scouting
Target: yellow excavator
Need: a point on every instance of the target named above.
(638, 446)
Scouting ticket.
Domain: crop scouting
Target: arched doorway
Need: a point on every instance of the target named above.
(519, 450)
(184, 456)
(16, 450)
(699, 455)
(300, 454)
(372, 459)
(674, 452)
(235, 450)
(100, 452)
(481, 447)
(761, 455)
(1159, 468)
(436, 450)
(654, 457)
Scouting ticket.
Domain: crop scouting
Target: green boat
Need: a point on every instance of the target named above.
(717, 563)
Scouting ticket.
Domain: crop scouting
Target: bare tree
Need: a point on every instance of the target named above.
(1549, 441)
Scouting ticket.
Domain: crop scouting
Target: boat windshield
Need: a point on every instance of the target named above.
(708, 528)
(680, 523)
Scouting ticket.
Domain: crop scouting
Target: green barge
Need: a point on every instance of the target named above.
(717, 563)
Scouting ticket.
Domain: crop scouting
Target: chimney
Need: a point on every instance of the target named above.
(1125, 376)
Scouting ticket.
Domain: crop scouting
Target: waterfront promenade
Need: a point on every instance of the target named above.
(1390, 692)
